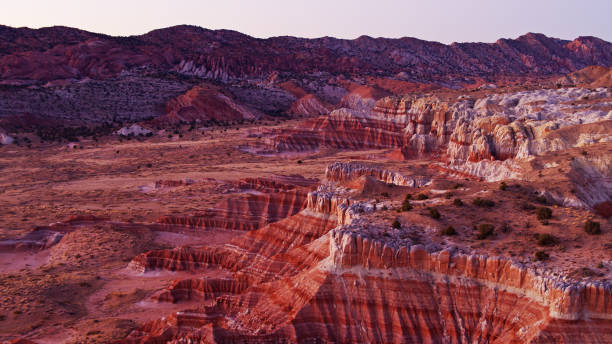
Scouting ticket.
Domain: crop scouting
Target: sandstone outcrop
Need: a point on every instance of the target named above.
(310, 105)
(592, 76)
(204, 103)
(133, 130)
(497, 127)
(337, 283)
(260, 202)
(346, 172)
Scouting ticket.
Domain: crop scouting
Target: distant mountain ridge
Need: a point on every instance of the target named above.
(66, 53)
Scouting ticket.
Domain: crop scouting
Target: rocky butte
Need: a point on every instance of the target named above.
(199, 186)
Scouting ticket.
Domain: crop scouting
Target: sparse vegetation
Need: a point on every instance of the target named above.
(592, 227)
(541, 255)
(485, 230)
(457, 186)
(483, 203)
(505, 228)
(457, 202)
(433, 213)
(527, 206)
(449, 230)
(396, 224)
(422, 197)
(543, 214)
(546, 239)
(503, 186)
(406, 206)
(384, 194)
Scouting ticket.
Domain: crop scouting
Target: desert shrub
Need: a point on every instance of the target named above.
(449, 230)
(503, 186)
(299, 161)
(457, 202)
(541, 255)
(448, 195)
(527, 206)
(406, 206)
(592, 227)
(541, 200)
(483, 203)
(484, 231)
(421, 197)
(546, 239)
(434, 213)
(543, 214)
(505, 228)
(396, 224)
(457, 186)
(384, 194)
(408, 197)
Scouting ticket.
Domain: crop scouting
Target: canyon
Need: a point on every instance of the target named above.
(211, 187)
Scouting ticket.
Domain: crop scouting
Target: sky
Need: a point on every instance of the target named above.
(435, 20)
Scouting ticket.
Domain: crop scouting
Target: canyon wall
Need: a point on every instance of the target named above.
(319, 276)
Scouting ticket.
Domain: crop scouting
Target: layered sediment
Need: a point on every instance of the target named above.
(320, 276)
(260, 201)
(346, 172)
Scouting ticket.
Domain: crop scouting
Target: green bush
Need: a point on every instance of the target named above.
(421, 197)
(483, 203)
(592, 227)
(546, 239)
(544, 213)
(485, 230)
(396, 224)
(434, 213)
(541, 255)
(450, 230)
(457, 202)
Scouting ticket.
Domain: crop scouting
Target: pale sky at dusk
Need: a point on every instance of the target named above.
(444, 21)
